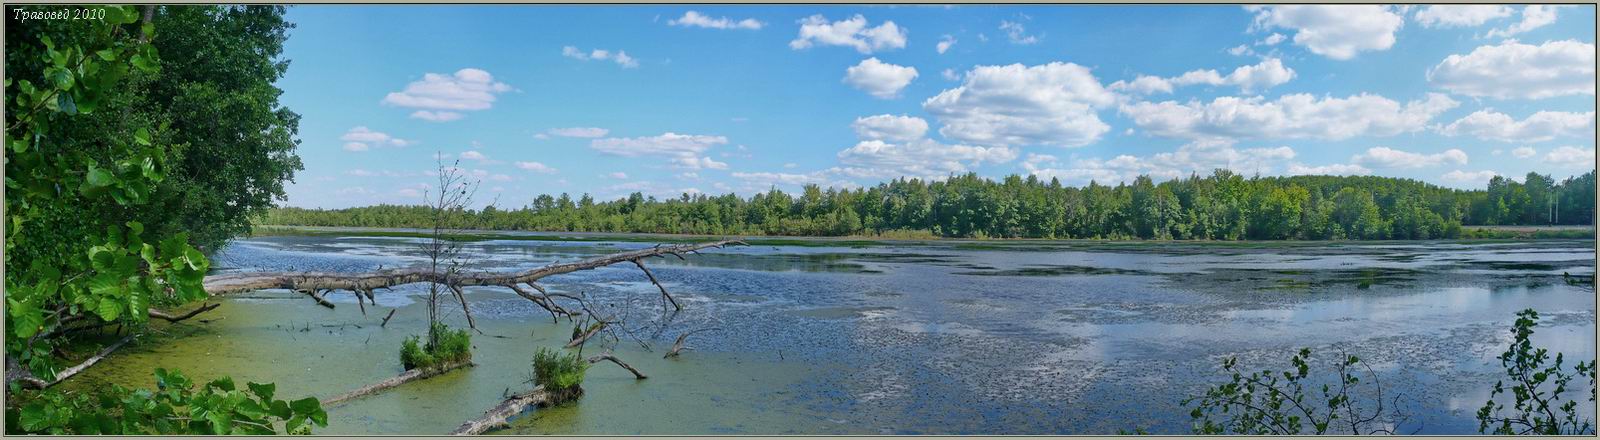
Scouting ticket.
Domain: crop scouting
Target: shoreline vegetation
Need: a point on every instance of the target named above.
(1223, 206)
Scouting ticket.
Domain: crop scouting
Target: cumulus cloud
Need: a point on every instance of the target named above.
(851, 32)
(696, 19)
(1533, 17)
(620, 57)
(890, 128)
(1338, 169)
(1513, 70)
(578, 132)
(443, 97)
(1469, 177)
(1571, 157)
(682, 150)
(1297, 116)
(1339, 32)
(944, 44)
(1050, 104)
(879, 79)
(1524, 152)
(1385, 157)
(1264, 75)
(1541, 126)
(1193, 158)
(1017, 33)
(1454, 16)
(536, 167)
(361, 138)
(923, 158)
(618, 175)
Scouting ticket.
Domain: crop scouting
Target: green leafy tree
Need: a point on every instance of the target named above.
(1537, 386)
(1293, 403)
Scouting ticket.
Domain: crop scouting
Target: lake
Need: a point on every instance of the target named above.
(945, 337)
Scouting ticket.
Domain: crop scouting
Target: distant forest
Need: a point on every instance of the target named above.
(1222, 206)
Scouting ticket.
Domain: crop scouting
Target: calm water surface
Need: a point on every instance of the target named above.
(928, 338)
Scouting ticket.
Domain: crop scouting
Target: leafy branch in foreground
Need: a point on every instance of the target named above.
(175, 407)
(1287, 403)
(1536, 389)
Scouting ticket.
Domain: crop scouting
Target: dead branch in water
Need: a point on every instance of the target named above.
(678, 346)
(170, 318)
(668, 296)
(403, 378)
(386, 318)
(516, 404)
(15, 372)
(608, 357)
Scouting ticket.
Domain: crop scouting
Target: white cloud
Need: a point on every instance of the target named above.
(922, 158)
(1241, 50)
(620, 57)
(434, 116)
(944, 44)
(1524, 152)
(1474, 177)
(890, 128)
(1264, 75)
(355, 146)
(1533, 17)
(1513, 70)
(1451, 16)
(443, 97)
(696, 19)
(1385, 157)
(879, 79)
(618, 175)
(1541, 126)
(1017, 33)
(1195, 157)
(1572, 157)
(367, 136)
(1272, 40)
(578, 132)
(536, 167)
(1049, 104)
(684, 150)
(1297, 116)
(473, 155)
(1338, 169)
(950, 75)
(851, 32)
(1339, 32)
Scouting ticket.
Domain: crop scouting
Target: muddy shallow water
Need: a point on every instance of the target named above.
(930, 338)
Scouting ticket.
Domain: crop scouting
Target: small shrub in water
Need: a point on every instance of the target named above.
(451, 346)
(558, 370)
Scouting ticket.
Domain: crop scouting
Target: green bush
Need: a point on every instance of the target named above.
(558, 370)
(451, 346)
(1536, 388)
(175, 407)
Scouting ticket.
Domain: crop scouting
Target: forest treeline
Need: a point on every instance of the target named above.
(1221, 206)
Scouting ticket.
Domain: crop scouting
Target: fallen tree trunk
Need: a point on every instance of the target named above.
(408, 376)
(312, 281)
(512, 406)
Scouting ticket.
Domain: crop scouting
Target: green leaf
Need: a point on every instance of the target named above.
(141, 136)
(65, 104)
(109, 310)
(262, 390)
(195, 259)
(223, 383)
(62, 78)
(107, 54)
(143, 63)
(306, 406)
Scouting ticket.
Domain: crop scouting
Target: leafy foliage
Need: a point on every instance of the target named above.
(450, 346)
(1222, 206)
(558, 370)
(68, 256)
(1289, 403)
(175, 407)
(1536, 389)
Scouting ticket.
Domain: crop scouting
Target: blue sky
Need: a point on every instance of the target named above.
(715, 99)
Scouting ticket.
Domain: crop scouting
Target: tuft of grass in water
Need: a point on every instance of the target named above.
(558, 370)
(452, 346)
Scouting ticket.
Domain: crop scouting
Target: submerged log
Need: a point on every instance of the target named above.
(408, 376)
(501, 414)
